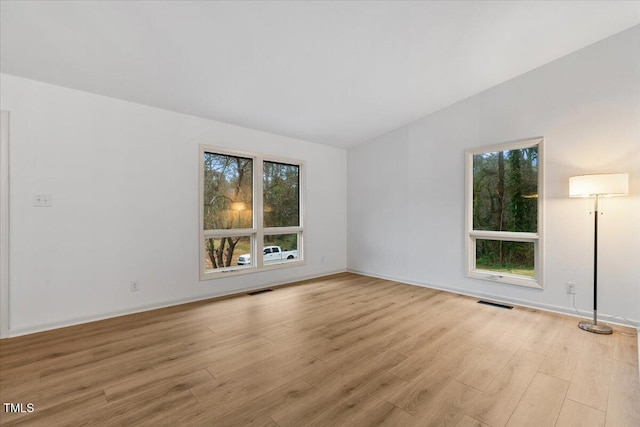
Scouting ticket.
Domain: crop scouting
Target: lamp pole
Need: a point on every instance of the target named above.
(594, 326)
(597, 185)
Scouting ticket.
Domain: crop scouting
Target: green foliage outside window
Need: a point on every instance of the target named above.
(228, 194)
(505, 198)
(281, 185)
(228, 204)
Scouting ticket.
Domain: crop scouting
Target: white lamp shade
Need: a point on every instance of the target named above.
(606, 184)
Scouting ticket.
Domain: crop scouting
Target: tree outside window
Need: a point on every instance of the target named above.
(241, 214)
(503, 213)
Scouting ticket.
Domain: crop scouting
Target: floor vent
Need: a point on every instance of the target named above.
(261, 291)
(495, 304)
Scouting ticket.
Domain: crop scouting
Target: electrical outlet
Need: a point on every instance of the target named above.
(571, 288)
(134, 286)
(42, 200)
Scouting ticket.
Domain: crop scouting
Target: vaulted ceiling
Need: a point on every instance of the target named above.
(337, 73)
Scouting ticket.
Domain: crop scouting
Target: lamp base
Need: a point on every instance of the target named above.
(596, 329)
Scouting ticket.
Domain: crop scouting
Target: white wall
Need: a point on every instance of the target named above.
(406, 188)
(124, 184)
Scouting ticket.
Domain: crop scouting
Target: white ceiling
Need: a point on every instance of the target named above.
(337, 73)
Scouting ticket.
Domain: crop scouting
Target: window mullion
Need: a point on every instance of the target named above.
(281, 230)
(258, 210)
(505, 235)
(229, 232)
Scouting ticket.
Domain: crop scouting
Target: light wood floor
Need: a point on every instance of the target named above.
(346, 350)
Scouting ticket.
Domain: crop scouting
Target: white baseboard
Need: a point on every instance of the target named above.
(570, 311)
(155, 306)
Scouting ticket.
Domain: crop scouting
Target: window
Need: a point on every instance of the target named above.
(249, 205)
(504, 212)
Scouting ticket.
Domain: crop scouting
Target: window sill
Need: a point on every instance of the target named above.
(239, 271)
(505, 278)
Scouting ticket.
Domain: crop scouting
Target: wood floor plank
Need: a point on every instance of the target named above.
(623, 405)
(70, 412)
(334, 385)
(467, 421)
(345, 350)
(20, 388)
(451, 346)
(544, 334)
(148, 412)
(353, 365)
(478, 371)
(63, 386)
(232, 389)
(574, 414)
(626, 348)
(495, 326)
(152, 385)
(383, 415)
(361, 401)
(564, 352)
(427, 386)
(525, 322)
(448, 406)
(254, 413)
(51, 362)
(541, 404)
(205, 358)
(590, 381)
(502, 396)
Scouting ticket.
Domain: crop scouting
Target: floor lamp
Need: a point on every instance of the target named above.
(596, 186)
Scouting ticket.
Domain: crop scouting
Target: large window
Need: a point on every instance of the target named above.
(249, 204)
(504, 212)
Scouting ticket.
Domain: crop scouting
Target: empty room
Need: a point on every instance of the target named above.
(320, 213)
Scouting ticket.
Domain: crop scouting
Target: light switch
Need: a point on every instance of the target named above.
(42, 200)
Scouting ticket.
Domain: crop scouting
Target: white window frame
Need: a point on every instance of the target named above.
(471, 235)
(258, 231)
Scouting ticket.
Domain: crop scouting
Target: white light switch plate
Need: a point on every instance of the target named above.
(42, 200)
